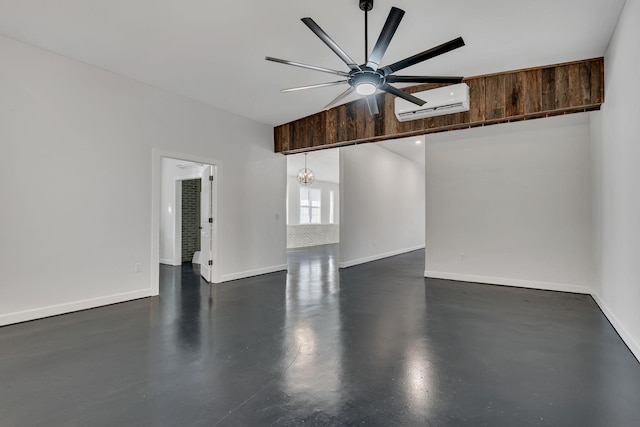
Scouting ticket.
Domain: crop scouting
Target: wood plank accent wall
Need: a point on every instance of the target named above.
(494, 98)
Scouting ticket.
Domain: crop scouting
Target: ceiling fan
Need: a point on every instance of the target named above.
(367, 79)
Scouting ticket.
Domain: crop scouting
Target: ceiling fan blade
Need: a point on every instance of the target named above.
(423, 79)
(332, 45)
(372, 103)
(389, 29)
(404, 95)
(339, 98)
(310, 67)
(423, 56)
(293, 89)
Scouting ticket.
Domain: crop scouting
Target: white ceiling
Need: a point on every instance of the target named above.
(213, 51)
(411, 148)
(325, 164)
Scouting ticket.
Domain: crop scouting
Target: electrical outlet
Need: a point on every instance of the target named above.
(137, 267)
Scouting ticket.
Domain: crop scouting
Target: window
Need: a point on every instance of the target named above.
(331, 205)
(310, 206)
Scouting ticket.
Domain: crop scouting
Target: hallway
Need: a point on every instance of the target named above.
(375, 344)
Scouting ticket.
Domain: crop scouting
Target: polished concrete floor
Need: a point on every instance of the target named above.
(375, 344)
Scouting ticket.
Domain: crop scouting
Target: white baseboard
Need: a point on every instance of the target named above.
(250, 273)
(168, 262)
(54, 310)
(626, 337)
(548, 286)
(376, 257)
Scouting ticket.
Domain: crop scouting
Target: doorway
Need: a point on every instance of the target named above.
(313, 208)
(185, 216)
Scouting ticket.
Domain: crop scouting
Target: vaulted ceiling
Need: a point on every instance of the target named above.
(213, 51)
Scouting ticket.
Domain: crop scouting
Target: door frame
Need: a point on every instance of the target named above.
(157, 155)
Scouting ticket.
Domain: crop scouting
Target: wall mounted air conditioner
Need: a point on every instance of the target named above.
(443, 100)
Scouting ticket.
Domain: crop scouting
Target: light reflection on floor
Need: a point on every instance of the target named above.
(313, 322)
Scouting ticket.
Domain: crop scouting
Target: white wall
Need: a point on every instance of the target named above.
(510, 204)
(72, 230)
(170, 211)
(293, 197)
(382, 202)
(616, 153)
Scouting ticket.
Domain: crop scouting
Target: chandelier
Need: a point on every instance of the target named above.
(305, 175)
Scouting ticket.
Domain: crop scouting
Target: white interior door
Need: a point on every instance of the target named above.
(206, 224)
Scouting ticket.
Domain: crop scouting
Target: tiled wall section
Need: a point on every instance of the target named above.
(299, 236)
(190, 218)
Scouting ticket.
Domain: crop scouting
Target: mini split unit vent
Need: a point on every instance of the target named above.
(440, 101)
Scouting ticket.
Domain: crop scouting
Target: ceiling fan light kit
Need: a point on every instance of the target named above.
(366, 79)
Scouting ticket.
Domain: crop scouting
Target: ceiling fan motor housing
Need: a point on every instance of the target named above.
(366, 81)
(366, 5)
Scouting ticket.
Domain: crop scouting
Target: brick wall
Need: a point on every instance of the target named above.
(190, 218)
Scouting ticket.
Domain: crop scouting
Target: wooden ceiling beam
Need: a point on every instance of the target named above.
(510, 96)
